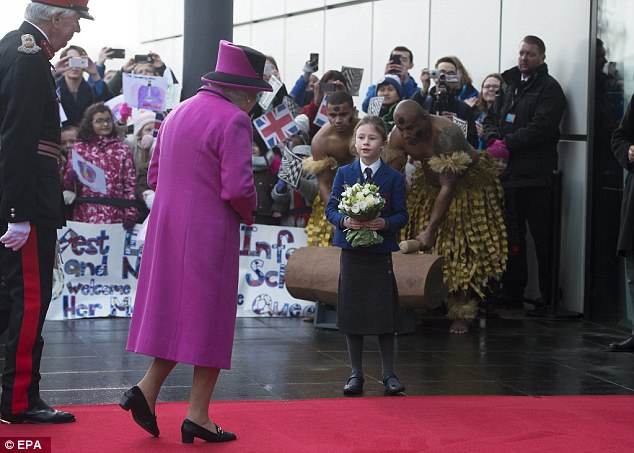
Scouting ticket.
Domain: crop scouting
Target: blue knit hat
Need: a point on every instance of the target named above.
(393, 80)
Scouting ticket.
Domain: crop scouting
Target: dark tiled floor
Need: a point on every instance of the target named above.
(85, 361)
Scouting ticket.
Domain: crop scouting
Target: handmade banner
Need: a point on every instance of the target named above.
(276, 125)
(116, 104)
(353, 78)
(290, 168)
(89, 174)
(145, 92)
(173, 94)
(462, 124)
(267, 96)
(100, 268)
(98, 274)
(374, 106)
(292, 106)
(264, 253)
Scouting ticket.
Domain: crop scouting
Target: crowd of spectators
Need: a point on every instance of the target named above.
(128, 199)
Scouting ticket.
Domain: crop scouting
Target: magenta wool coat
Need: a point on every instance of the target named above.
(186, 300)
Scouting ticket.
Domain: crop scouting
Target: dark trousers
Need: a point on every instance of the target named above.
(25, 294)
(532, 206)
(629, 272)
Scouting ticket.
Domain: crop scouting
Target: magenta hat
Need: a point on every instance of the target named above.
(238, 66)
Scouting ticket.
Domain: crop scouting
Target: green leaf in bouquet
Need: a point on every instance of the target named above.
(363, 237)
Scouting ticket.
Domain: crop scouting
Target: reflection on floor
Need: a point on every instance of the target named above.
(85, 361)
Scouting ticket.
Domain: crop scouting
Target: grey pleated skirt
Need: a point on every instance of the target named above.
(368, 301)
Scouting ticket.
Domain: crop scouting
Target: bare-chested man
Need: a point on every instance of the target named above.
(455, 206)
(330, 149)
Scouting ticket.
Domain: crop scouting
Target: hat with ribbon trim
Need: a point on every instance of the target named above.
(238, 66)
(81, 6)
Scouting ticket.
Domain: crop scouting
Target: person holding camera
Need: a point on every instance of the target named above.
(149, 64)
(76, 94)
(400, 62)
(442, 99)
(303, 91)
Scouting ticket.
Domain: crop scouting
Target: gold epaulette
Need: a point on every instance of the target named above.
(314, 167)
(457, 162)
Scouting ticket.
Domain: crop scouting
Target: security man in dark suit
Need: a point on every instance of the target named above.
(30, 199)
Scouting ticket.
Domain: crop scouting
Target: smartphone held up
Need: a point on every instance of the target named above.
(116, 53)
(313, 61)
(78, 62)
(148, 58)
(327, 87)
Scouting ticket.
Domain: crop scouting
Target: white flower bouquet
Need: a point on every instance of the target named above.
(362, 202)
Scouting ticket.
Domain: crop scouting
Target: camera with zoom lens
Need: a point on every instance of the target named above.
(442, 77)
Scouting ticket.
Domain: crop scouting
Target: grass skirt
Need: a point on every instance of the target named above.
(318, 229)
(472, 238)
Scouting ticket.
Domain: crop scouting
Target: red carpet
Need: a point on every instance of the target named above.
(397, 424)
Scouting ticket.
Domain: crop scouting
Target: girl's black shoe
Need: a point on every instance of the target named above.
(354, 385)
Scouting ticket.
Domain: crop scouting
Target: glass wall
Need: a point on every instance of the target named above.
(614, 85)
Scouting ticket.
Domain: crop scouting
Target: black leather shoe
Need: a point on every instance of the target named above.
(40, 414)
(354, 385)
(392, 385)
(189, 430)
(134, 399)
(624, 346)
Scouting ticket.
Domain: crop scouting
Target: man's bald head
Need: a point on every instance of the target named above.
(411, 121)
(408, 111)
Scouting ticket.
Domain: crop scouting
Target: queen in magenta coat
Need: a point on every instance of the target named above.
(185, 307)
(186, 298)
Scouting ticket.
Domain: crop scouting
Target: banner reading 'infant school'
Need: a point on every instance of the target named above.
(99, 273)
(264, 253)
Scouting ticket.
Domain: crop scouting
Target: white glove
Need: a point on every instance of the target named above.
(16, 235)
(148, 197)
(69, 196)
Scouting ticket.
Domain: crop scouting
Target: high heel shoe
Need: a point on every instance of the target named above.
(133, 399)
(189, 430)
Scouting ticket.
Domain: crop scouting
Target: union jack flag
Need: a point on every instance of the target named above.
(276, 125)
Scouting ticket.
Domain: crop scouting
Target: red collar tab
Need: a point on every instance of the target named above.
(48, 50)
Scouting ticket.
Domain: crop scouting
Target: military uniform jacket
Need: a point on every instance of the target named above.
(30, 188)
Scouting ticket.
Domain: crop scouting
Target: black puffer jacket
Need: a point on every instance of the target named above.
(527, 118)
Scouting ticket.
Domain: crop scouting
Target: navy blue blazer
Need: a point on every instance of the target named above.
(391, 185)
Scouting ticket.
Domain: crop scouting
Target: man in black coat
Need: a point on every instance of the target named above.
(30, 199)
(525, 121)
(623, 149)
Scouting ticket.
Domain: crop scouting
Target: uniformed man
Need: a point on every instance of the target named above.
(30, 198)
